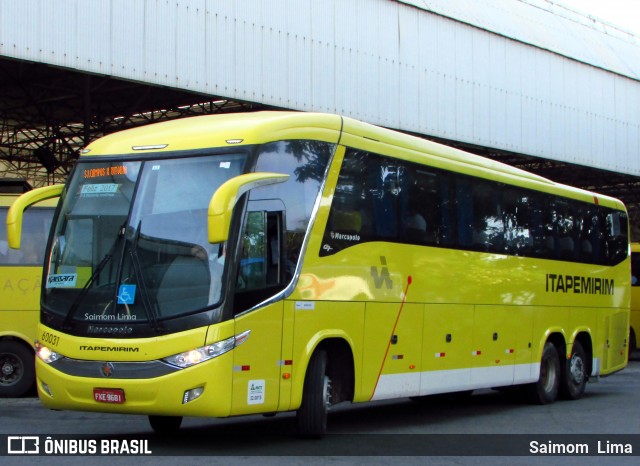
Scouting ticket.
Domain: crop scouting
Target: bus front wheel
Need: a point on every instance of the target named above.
(17, 370)
(316, 398)
(165, 424)
(545, 390)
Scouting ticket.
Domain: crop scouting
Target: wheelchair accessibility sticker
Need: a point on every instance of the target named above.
(126, 294)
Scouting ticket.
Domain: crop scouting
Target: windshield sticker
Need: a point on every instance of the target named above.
(89, 190)
(126, 294)
(105, 171)
(225, 164)
(62, 280)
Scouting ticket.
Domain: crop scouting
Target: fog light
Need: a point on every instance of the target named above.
(46, 389)
(192, 394)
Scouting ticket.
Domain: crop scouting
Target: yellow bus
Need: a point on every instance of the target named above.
(634, 320)
(278, 261)
(20, 277)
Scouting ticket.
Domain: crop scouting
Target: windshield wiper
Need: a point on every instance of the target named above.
(96, 273)
(149, 311)
(85, 289)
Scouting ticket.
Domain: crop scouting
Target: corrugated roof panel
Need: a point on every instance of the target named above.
(633, 129)
(385, 28)
(408, 70)
(549, 26)
(323, 66)
(272, 64)
(300, 48)
(93, 37)
(16, 39)
(160, 41)
(190, 43)
(54, 42)
(126, 56)
(220, 46)
(247, 58)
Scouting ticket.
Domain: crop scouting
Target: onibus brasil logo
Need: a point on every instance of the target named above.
(35, 445)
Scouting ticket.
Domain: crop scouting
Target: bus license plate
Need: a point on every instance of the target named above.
(108, 395)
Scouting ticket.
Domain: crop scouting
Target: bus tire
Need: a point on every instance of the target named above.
(316, 398)
(545, 390)
(574, 377)
(17, 369)
(165, 424)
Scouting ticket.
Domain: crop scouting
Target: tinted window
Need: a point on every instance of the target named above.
(635, 269)
(384, 199)
(277, 218)
(306, 163)
(35, 231)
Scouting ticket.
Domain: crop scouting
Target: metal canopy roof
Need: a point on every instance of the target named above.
(550, 26)
(47, 114)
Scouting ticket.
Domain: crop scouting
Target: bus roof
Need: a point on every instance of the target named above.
(225, 130)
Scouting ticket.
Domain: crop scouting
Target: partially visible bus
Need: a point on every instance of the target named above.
(268, 262)
(634, 320)
(20, 280)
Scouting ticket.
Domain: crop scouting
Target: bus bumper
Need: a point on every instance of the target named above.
(168, 395)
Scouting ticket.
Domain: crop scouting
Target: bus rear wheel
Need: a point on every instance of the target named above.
(574, 377)
(545, 390)
(316, 398)
(165, 424)
(17, 369)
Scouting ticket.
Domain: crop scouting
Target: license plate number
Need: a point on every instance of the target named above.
(108, 395)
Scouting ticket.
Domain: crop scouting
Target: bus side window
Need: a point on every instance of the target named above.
(260, 266)
(444, 215)
(306, 163)
(464, 213)
(35, 232)
(565, 231)
(487, 219)
(4, 244)
(422, 206)
(586, 233)
(635, 269)
(617, 242)
(516, 213)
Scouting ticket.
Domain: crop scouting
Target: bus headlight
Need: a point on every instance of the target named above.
(46, 354)
(204, 353)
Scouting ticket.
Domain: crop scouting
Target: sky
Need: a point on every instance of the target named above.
(622, 13)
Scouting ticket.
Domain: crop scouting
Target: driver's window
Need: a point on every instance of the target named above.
(260, 273)
(252, 264)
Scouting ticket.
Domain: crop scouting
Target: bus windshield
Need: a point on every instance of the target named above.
(130, 242)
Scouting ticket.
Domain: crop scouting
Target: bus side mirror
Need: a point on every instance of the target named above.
(225, 198)
(16, 211)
